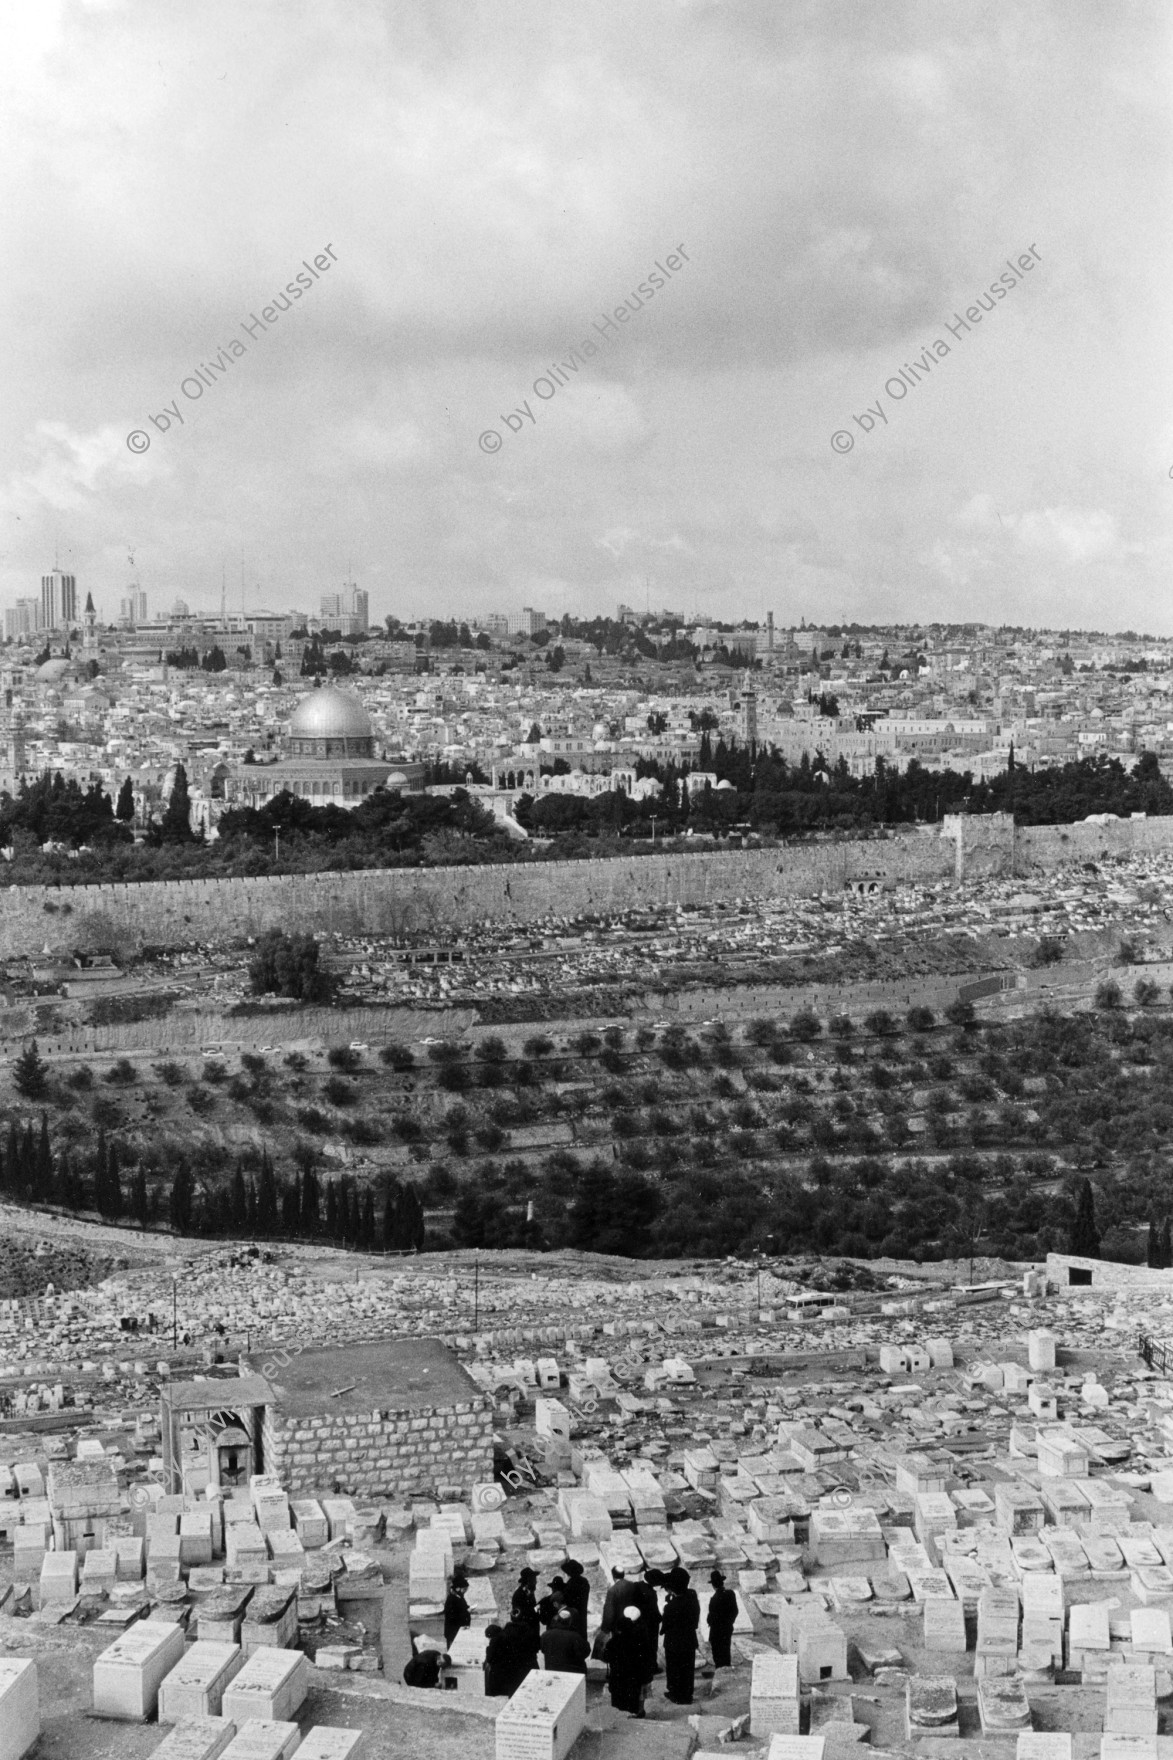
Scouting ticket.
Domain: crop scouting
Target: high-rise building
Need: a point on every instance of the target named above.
(22, 619)
(132, 609)
(347, 611)
(58, 600)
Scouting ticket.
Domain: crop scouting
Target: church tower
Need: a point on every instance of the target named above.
(90, 625)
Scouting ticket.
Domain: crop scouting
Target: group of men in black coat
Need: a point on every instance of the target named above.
(633, 1625)
(556, 1628)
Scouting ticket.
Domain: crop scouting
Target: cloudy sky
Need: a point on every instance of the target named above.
(492, 178)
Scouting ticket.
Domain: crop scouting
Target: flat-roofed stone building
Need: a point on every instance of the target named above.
(394, 1419)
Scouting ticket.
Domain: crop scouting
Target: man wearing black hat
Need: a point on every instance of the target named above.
(552, 1602)
(525, 1627)
(682, 1616)
(456, 1613)
(618, 1596)
(576, 1594)
(722, 1619)
(643, 1595)
(564, 1647)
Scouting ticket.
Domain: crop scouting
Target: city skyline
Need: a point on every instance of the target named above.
(892, 293)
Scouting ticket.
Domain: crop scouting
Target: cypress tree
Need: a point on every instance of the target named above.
(43, 1188)
(1085, 1236)
(113, 1183)
(266, 1197)
(1153, 1248)
(1166, 1246)
(409, 1220)
(368, 1218)
(251, 1207)
(101, 1160)
(138, 1200)
(391, 1215)
(331, 1211)
(28, 1159)
(182, 1197)
(310, 1219)
(290, 1207)
(239, 1200)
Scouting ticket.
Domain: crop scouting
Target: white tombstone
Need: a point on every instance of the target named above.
(264, 1739)
(552, 1419)
(58, 1577)
(788, 1747)
(944, 1623)
(1040, 1345)
(328, 1742)
(20, 1708)
(271, 1686)
(544, 1718)
(309, 1521)
(1043, 1745)
(128, 1675)
(1118, 1747)
(196, 1738)
(195, 1687)
(339, 1513)
(773, 1695)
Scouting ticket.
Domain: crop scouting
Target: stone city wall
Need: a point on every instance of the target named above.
(396, 1454)
(173, 913)
(176, 913)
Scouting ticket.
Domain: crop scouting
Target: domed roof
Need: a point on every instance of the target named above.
(53, 671)
(329, 713)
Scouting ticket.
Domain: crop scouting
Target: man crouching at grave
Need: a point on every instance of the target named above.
(424, 1668)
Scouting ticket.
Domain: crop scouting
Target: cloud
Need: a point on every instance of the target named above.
(1068, 534)
(68, 470)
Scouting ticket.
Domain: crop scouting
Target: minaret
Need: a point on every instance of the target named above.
(749, 709)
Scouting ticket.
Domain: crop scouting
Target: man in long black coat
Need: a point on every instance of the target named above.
(524, 1623)
(576, 1594)
(564, 1648)
(625, 1661)
(722, 1619)
(456, 1611)
(682, 1617)
(643, 1594)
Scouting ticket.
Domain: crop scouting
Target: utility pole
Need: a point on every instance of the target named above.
(276, 845)
(476, 1291)
(174, 1314)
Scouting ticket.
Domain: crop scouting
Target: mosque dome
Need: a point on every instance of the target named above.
(52, 671)
(330, 714)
